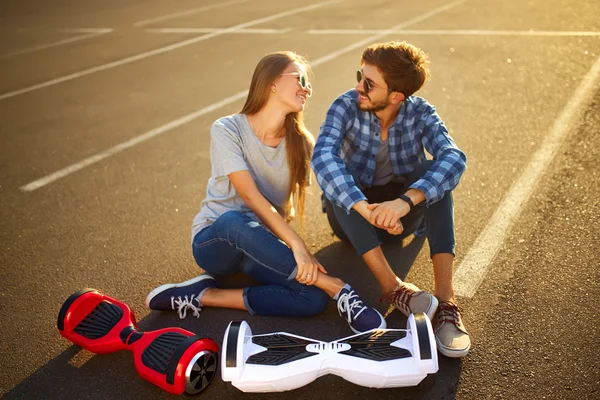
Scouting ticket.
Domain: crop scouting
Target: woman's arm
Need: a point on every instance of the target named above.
(246, 188)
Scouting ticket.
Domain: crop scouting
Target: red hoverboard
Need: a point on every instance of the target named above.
(173, 359)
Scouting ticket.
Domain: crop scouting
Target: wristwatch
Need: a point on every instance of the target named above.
(408, 200)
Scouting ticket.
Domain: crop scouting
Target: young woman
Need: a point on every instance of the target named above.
(260, 169)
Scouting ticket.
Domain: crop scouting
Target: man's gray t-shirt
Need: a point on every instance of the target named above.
(383, 166)
(235, 147)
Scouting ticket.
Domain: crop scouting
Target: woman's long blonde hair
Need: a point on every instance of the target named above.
(299, 141)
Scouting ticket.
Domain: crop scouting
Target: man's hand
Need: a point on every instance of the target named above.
(387, 215)
(397, 230)
(365, 209)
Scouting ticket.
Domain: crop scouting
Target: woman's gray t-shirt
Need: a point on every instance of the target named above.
(235, 147)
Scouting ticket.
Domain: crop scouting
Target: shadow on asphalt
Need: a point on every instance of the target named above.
(78, 374)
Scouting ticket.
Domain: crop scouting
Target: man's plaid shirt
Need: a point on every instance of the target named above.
(345, 151)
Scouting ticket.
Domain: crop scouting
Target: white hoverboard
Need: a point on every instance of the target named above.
(380, 358)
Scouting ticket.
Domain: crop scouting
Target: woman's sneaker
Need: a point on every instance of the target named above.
(450, 334)
(181, 296)
(409, 299)
(360, 317)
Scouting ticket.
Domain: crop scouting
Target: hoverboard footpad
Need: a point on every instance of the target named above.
(281, 349)
(100, 321)
(282, 361)
(377, 346)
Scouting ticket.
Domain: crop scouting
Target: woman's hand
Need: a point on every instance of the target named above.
(308, 266)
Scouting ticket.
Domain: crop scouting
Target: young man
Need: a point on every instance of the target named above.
(370, 162)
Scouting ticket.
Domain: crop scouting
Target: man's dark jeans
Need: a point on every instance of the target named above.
(439, 218)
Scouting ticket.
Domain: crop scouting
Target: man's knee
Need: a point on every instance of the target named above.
(352, 228)
(420, 170)
(334, 223)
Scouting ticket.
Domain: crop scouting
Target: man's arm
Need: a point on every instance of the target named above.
(386, 215)
(450, 161)
(442, 177)
(330, 169)
(362, 207)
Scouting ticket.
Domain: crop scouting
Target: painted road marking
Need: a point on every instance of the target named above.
(187, 12)
(211, 30)
(88, 35)
(165, 49)
(470, 274)
(450, 32)
(213, 107)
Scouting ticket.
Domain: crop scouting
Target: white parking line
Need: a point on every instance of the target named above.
(165, 49)
(210, 30)
(470, 274)
(77, 30)
(188, 12)
(386, 32)
(190, 117)
(450, 32)
(131, 142)
(93, 33)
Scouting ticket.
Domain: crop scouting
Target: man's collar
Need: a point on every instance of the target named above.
(402, 111)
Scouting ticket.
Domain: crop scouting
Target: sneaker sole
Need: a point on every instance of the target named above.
(382, 325)
(432, 308)
(452, 353)
(172, 285)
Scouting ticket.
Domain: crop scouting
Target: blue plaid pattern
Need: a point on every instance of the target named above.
(345, 151)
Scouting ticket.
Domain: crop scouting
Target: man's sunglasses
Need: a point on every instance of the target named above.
(367, 84)
(303, 81)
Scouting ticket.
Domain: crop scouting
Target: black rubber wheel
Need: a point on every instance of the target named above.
(201, 371)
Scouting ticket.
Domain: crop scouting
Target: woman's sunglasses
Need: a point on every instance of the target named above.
(303, 81)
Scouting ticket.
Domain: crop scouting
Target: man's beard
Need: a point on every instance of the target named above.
(374, 107)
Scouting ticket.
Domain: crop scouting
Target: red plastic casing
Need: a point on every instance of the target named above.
(112, 341)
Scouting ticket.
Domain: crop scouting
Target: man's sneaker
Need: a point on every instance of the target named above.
(360, 317)
(409, 299)
(180, 296)
(450, 334)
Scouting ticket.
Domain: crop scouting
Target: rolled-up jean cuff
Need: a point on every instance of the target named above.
(440, 249)
(246, 303)
(363, 247)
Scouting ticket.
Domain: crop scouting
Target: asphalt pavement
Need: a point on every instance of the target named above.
(105, 109)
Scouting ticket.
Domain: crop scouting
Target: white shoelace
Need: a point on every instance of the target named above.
(348, 302)
(182, 305)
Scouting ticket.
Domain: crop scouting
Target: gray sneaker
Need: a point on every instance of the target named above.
(409, 299)
(450, 334)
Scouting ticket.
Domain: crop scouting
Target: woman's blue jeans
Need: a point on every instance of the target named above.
(236, 243)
